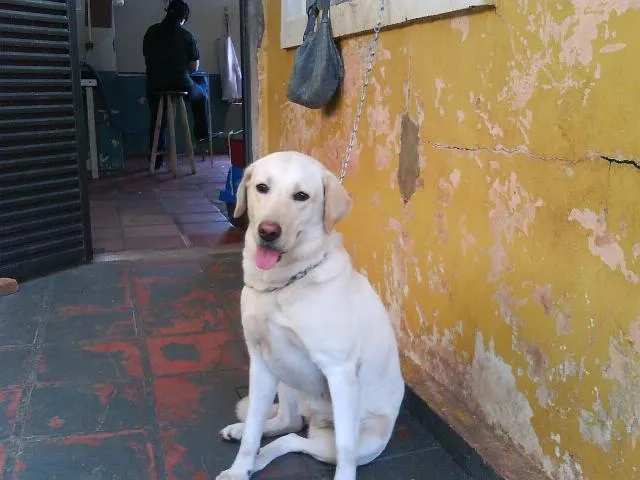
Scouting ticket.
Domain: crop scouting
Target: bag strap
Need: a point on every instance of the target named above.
(312, 17)
(313, 9)
(319, 4)
(325, 5)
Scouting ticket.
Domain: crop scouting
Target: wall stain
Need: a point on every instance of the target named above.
(409, 167)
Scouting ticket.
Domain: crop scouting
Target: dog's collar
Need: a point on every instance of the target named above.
(298, 276)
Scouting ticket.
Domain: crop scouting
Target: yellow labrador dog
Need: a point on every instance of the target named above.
(316, 331)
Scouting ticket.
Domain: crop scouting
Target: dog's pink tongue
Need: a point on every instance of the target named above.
(266, 258)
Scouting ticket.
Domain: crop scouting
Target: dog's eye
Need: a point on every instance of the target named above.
(262, 188)
(300, 197)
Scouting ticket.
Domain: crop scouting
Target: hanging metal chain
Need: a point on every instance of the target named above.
(363, 92)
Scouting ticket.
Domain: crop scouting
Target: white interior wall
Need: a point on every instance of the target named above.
(102, 57)
(206, 23)
(120, 48)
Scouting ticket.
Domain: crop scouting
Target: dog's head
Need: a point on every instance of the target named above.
(292, 199)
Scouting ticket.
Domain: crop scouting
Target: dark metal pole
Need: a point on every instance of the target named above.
(245, 65)
(81, 130)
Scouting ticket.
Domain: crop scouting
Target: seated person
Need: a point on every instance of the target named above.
(171, 53)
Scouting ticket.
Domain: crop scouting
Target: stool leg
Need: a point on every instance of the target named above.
(187, 134)
(173, 156)
(156, 137)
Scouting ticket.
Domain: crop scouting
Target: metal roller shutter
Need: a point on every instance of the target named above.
(44, 209)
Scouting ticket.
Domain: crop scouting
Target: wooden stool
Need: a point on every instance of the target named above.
(173, 99)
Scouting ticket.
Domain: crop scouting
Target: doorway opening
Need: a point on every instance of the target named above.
(131, 210)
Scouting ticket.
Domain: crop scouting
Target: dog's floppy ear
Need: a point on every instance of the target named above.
(241, 194)
(337, 201)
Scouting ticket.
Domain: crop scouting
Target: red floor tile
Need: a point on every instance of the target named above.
(181, 399)
(175, 306)
(208, 217)
(185, 200)
(219, 228)
(185, 406)
(232, 304)
(191, 208)
(110, 245)
(134, 201)
(112, 233)
(230, 236)
(165, 242)
(177, 463)
(137, 189)
(104, 211)
(151, 231)
(196, 353)
(162, 290)
(173, 184)
(166, 194)
(224, 271)
(130, 220)
(173, 319)
(135, 209)
(234, 235)
(130, 209)
(9, 402)
(189, 400)
(102, 202)
(105, 221)
(165, 272)
(205, 239)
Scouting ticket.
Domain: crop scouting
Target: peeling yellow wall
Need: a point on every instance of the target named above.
(511, 264)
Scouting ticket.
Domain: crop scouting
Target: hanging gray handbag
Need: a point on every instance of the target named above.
(317, 67)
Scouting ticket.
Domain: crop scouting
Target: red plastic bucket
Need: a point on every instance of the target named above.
(236, 152)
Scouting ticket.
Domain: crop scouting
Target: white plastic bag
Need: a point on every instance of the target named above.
(230, 73)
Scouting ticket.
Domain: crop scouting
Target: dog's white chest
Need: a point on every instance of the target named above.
(288, 358)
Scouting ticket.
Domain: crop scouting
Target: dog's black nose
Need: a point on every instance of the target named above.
(269, 231)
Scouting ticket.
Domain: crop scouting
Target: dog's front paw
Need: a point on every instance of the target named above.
(232, 432)
(231, 475)
(345, 473)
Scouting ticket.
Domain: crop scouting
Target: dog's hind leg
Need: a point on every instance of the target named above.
(321, 444)
(285, 417)
(320, 447)
(288, 419)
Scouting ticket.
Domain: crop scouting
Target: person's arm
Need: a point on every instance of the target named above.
(193, 65)
(145, 45)
(194, 55)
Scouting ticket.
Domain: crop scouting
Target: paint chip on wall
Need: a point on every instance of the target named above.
(409, 167)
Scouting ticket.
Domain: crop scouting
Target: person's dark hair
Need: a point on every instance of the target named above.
(177, 10)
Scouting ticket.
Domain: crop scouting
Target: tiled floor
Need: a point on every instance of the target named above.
(128, 371)
(138, 212)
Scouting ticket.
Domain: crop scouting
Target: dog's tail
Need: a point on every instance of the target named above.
(243, 406)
